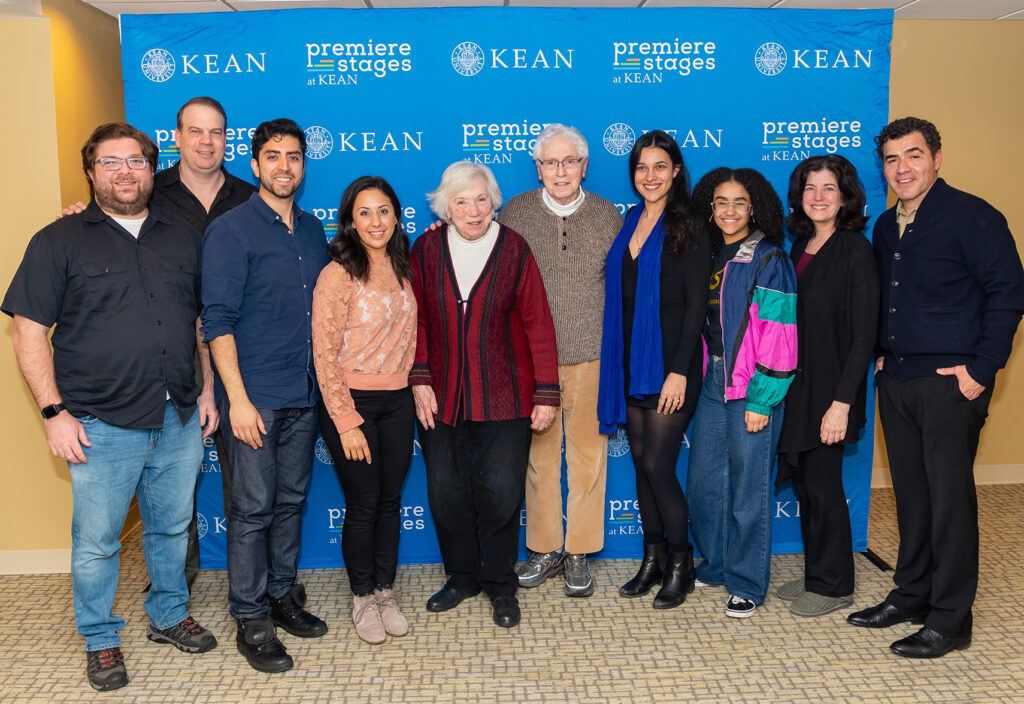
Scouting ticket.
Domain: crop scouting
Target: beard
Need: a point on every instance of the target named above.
(120, 202)
(281, 190)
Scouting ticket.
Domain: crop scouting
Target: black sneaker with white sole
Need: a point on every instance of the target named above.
(738, 607)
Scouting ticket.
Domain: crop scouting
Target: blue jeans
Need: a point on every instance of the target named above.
(268, 492)
(158, 466)
(729, 489)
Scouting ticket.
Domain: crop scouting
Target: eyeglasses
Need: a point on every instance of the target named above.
(113, 163)
(723, 206)
(567, 164)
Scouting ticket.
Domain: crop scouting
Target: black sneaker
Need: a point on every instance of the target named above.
(287, 612)
(106, 669)
(738, 607)
(187, 636)
(258, 642)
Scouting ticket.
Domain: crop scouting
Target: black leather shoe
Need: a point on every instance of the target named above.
(449, 597)
(258, 642)
(506, 611)
(678, 580)
(288, 613)
(885, 615)
(928, 643)
(652, 568)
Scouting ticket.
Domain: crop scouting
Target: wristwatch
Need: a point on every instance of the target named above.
(50, 411)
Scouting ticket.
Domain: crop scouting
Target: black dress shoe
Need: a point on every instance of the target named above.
(928, 643)
(650, 573)
(885, 615)
(449, 597)
(506, 611)
(288, 613)
(678, 580)
(258, 642)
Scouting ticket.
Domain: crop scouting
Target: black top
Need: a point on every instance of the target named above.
(174, 197)
(836, 318)
(125, 312)
(683, 296)
(713, 330)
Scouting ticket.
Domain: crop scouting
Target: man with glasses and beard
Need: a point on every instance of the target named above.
(121, 284)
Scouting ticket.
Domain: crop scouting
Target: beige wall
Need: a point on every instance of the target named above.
(966, 77)
(63, 71)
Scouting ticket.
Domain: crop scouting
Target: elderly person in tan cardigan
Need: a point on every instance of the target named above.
(569, 231)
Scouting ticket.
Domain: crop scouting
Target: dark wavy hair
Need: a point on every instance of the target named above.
(908, 125)
(275, 129)
(765, 216)
(851, 212)
(117, 130)
(346, 247)
(678, 209)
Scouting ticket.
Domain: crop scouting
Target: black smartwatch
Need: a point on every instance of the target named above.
(50, 411)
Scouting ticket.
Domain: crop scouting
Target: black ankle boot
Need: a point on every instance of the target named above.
(650, 572)
(677, 581)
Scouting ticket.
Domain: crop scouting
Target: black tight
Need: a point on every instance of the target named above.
(654, 440)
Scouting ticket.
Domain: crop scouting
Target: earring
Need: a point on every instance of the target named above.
(711, 217)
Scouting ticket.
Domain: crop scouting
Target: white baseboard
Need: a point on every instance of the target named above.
(983, 474)
(35, 561)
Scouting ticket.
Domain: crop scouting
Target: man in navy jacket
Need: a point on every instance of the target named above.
(952, 297)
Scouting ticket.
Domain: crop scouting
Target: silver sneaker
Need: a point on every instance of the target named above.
(539, 566)
(578, 580)
(791, 590)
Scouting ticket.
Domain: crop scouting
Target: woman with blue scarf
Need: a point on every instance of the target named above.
(655, 303)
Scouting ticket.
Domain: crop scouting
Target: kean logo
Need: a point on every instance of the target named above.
(618, 140)
(770, 58)
(319, 144)
(321, 450)
(158, 65)
(618, 446)
(202, 526)
(468, 59)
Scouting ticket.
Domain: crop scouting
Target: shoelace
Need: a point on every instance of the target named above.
(386, 602)
(106, 659)
(575, 565)
(371, 605)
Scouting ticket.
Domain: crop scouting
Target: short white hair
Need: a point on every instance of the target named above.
(569, 134)
(457, 178)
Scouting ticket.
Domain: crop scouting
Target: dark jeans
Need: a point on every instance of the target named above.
(931, 435)
(268, 491)
(476, 477)
(654, 441)
(373, 493)
(824, 521)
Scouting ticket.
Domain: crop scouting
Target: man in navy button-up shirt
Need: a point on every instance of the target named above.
(261, 261)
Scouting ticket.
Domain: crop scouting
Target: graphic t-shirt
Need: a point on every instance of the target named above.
(713, 329)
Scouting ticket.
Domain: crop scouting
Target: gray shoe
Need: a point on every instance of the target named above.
(539, 566)
(811, 604)
(578, 580)
(791, 590)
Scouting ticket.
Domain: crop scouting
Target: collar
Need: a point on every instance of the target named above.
(562, 211)
(268, 214)
(93, 213)
(746, 251)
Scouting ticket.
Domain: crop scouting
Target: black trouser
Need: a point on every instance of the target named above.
(476, 478)
(373, 492)
(824, 521)
(192, 555)
(654, 441)
(931, 434)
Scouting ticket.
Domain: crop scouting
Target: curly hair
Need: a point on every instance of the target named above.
(678, 209)
(851, 213)
(766, 212)
(908, 125)
(346, 247)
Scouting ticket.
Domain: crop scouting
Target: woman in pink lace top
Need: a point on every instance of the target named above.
(364, 341)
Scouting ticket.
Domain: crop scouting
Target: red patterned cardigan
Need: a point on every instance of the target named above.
(496, 359)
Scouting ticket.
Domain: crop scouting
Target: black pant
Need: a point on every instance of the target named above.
(654, 442)
(824, 521)
(373, 493)
(931, 434)
(476, 478)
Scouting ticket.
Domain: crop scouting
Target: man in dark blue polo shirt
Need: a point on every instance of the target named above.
(260, 264)
(120, 281)
(952, 297)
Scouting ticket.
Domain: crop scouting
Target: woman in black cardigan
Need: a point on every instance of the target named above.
(837, 313)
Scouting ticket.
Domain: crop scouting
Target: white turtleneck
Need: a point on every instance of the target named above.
(562, 211)
(470, 256)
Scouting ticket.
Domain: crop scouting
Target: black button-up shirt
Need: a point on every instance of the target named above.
(174, 197)
(258, 281)
(124, 309)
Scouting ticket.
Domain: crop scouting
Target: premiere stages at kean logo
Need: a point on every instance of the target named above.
(652, 61)
(796, 140)
(496, 142)
(344, 63)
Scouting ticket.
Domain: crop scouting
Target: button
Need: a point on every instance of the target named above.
(897, 256)
(158, 322)
(151, 295)
(309, 314)
(303, 285)
(564, 234)
(145, 268)
(892, 338)
(163, 351)
(895, 283)
(563, 247)
(899, 359)
(892, 310)
(300, 257)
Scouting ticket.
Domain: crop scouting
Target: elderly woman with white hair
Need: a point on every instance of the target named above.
(485, 376)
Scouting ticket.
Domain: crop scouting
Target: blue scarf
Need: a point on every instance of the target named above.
(646, 364)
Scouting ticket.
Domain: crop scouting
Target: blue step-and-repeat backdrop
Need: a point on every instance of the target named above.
(403, 93)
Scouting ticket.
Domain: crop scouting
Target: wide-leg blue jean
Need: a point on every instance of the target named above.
(729, 487)
(159, 466)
